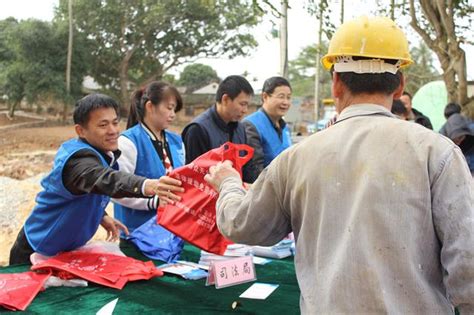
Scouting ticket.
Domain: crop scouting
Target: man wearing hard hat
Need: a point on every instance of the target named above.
(382, 209)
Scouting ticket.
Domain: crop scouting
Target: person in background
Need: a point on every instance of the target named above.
(399, 109)
(360, 248)
(458, 129)
(84, 176)
(222, 123)
(148, 149)
(451, 108)
(413, 114)
(267, 131)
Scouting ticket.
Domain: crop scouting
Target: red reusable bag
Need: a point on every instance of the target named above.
(101, 268)
(194, 217)
(17, 290)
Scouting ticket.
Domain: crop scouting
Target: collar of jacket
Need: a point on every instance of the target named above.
(281, 121)
(221, 123)
(357, 110)
(110, 156)
(152, 135)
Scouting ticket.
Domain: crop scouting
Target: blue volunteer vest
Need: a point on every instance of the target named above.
(60, 220)
(272, 145)
(148, 165)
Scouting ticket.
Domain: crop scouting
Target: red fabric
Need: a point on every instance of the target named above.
(167, 162)
(194, 217)
(101, 268)
(17, 290)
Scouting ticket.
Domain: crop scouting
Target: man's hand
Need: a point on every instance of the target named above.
(219, 172)
(113, 228)
(164, 187)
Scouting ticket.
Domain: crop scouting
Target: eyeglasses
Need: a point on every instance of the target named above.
(282, 97)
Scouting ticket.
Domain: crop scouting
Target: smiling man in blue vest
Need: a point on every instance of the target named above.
(84, 176)
(267, 131)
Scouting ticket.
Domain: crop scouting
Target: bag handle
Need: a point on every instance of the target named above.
(232, 153)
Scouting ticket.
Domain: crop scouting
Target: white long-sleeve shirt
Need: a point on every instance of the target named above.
(382, 212)
(127, 163)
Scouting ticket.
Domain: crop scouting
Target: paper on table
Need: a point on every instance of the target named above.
(260, 260)
(193, 264)
(259, 291)
(185, 270)
(108, 308)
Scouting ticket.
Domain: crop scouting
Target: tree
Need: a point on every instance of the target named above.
(422, 71)
(302, 70)
(139, 41)
(35, 61)
(441, 24)
(169, 78)
(196, 76)
(7, 56)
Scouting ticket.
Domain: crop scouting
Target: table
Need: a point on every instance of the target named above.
(171, 294)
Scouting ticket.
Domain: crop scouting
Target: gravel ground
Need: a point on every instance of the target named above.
(16, 201)
(14, 195)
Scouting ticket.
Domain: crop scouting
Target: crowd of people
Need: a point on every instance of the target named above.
(458, 128)
(381, 208)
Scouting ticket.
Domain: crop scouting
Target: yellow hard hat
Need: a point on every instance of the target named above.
(371, 37)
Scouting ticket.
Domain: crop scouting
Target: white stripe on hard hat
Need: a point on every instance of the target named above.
(347, 64)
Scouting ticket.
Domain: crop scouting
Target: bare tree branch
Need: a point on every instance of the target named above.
(432, 17)
(414, 23)
(447, 21)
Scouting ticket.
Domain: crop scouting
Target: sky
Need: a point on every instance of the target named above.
(264, 61)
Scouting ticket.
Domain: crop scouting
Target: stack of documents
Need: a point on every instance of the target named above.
(207, 258)
(234, 250)
(238, 250)
(187, 270)
(278, 251)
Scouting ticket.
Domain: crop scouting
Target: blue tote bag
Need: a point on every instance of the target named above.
(156, 242)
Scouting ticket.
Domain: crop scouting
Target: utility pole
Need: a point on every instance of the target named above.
(284, 39)
(392, 10)
(318, 66)
(342, 12)
(69, 61)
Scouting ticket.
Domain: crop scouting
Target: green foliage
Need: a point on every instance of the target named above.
(302, 72)
(169, 78)
(34, 61)
(138, 41)
(196, 76)
(323, 8)
(422, 71)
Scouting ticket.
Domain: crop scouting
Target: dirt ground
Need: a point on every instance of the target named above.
(26, 154)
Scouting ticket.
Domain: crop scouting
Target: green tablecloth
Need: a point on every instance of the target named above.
(172, 294)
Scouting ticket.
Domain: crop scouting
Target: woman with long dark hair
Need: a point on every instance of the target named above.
(148, 149)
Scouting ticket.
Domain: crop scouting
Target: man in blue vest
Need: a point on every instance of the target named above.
(72, 204)
(221, 123)
(267, 131)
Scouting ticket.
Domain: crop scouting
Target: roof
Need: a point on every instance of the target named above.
(211, 88)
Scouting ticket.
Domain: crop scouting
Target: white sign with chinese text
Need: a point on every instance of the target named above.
(231, 272)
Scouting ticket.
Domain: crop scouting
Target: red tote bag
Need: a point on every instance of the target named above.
(17, 290)
(105, 269)
(194, 217)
